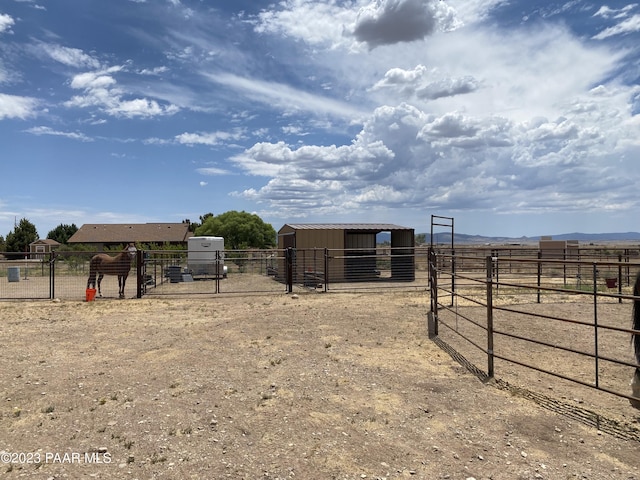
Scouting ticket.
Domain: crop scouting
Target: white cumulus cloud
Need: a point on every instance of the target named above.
(6, 22)
(102, 91)
(14, 106)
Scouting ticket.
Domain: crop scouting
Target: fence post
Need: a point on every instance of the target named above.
(326, 268)
(489, 263)
(539, 272)
(595, 322)
(432, 315)
(627, 259)
(289, 259)
(218, 273)
(619, 277)
(139, 273)
(453, 275)
(52, 274)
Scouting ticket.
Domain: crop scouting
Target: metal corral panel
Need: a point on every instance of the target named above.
(202, 255)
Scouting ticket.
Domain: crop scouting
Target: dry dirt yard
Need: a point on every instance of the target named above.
(327, 386)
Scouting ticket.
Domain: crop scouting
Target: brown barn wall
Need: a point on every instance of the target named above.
(332, 239)
(403, 261)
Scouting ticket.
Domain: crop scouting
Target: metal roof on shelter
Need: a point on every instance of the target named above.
(383, 227)
(131, 232)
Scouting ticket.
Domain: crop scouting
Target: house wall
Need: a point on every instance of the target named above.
(286, 237)
(41, 250)
(552, 248)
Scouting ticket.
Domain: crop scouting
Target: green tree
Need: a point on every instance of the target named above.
(62, 233)
(3, 246)
(19, 239)
(193, 226)
(240, 230)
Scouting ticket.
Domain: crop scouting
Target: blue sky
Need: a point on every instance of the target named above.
(513, 117)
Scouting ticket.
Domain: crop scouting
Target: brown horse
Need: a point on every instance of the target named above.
(635, 341)
(103, 264)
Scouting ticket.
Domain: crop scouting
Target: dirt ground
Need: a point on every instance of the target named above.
(307, 385)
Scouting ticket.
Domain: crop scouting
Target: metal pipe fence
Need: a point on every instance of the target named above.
(568, 263)
(530, 313)
(289, 270)
(232, 271)
(64, 274)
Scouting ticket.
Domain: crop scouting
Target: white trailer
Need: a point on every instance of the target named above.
(206, 256)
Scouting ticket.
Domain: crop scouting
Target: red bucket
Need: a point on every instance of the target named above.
(90, 294)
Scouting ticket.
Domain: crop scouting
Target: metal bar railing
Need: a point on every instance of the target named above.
(540, 285)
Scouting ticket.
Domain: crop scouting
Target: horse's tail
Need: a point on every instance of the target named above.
(93, 270)
(635, 340)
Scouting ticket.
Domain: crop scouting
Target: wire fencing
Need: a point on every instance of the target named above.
(65, 274)
(61, 275)
(285, 270)
(230, 271)
(26, 277)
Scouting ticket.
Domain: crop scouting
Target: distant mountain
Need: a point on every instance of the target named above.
(461, 238)
(599, 237)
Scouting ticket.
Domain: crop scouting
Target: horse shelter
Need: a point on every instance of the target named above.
(351, 248)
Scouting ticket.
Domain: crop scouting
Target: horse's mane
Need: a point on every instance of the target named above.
(636, 317)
